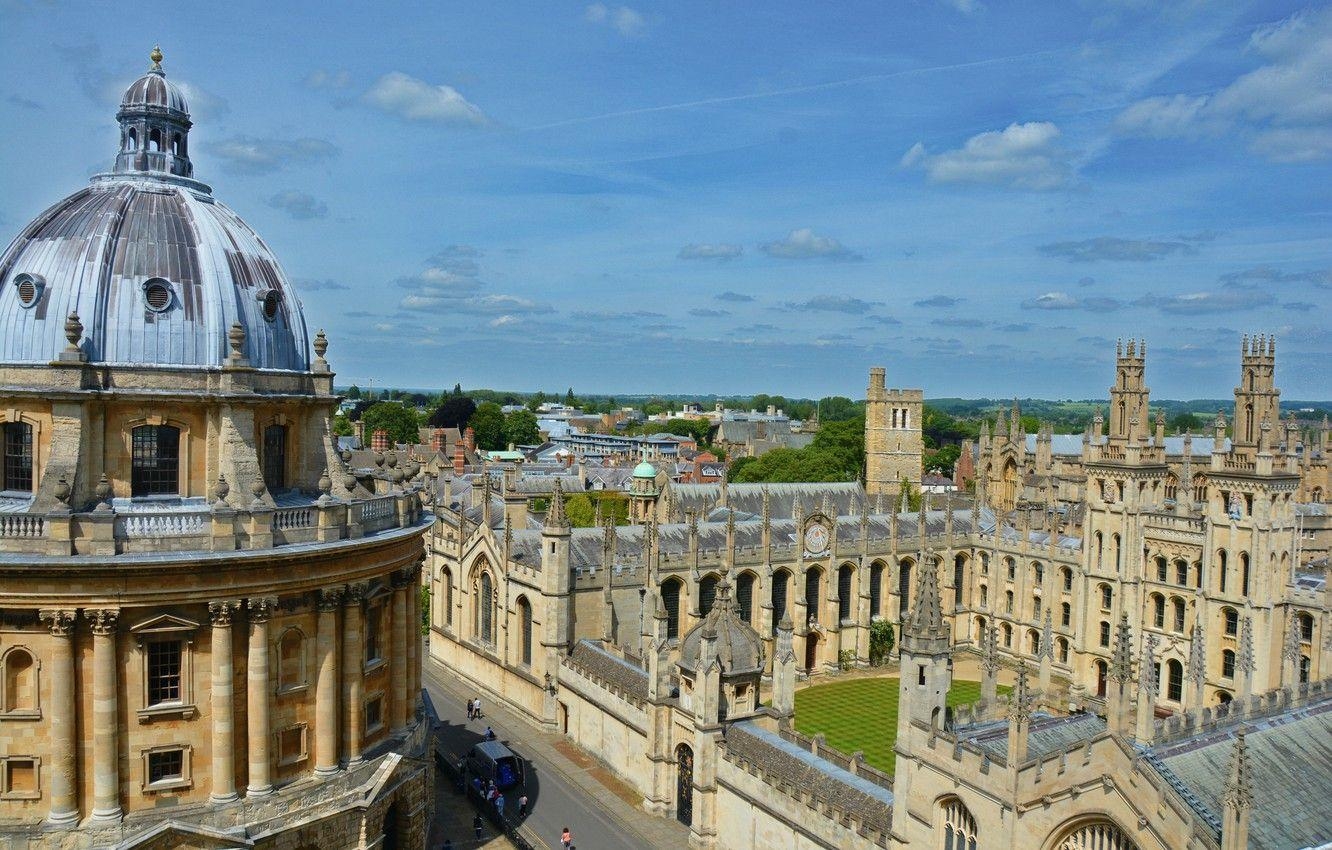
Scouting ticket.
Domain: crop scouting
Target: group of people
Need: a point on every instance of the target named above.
(474, 708)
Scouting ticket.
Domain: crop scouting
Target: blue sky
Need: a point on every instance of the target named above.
(737, 198)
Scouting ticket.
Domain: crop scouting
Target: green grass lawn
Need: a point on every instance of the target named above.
(862, 715)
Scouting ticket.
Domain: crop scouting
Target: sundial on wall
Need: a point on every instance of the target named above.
(816, 539)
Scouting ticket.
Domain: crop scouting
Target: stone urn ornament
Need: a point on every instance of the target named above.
(103, 493)
(257, 488)
(325, 483)
(62, 490)
(221, 489)
(379, 459)
(391, 460)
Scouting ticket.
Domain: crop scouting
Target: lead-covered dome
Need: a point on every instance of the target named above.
(739, 649)
(157, 270)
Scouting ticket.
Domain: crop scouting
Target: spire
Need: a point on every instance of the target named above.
(1148, 688)
(1019, 704)
(1121, 663)
(926, 620)
(556, 521)
(1239, 785)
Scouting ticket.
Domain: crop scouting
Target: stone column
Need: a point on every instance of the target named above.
(258, 700)
(224, 701)
(64, 719)
(413, 642)
(398, 650)
(106, 743)
(326, 686)
(353, 671)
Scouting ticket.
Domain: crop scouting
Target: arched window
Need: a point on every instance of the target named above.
(175, 144)
(291, 660)
(485, 607)
(1062, 645)
(1066, 614)
(1100, 548)
(525, 631)
(1178, 605)
(1158, 610)
(959, 579)
(275, 457)
(1102, 674)
(446, 595)
(670, 600)
(1306, 628)
(876, 589)
(1067, 575)
(1100, 835)
(1231, 620)
(18, 457)
(1174, 680)
(959, 827)
(1105, 633)
(1114, 541)
(1182, 573)
(984, 596)
(155, 460)
(1033, 642)
(744, 596)
(1008, 634)
(1008, 602)
(903, 588)
(1037, 573)
(844, 575)
(132, 139)
(707, 594)
(19, 685)
(1305, 667)
(1197, 574)
(1228, 663)
(1011, 567)
(985, 563)
(1244, 573)
(813, 577)
(1162, 570)
(780, 583)
(155, 140)
(1221, 562)
(1035, 607)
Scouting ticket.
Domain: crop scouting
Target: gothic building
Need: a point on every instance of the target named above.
(206, 620)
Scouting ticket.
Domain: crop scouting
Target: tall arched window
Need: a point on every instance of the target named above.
(1101, 835)
(1230, 618)
(1174, 680)
(1244, 573)
(1033, 642)
(1062, 646)
(903, 589)
(1306, 627)
(959, 579)
(1067, 575)
(813, 577)
(1182, 572)
(670, 600)
(707, 594)
(1158, 610)
(155, 461)
(959, 827)
(275, 457)
(781, 581)
(1221, 563)
(525, 631)
(446, 595)
(1228, 663)
(844, 575)
(876, 589)
(1105, 633)
(1099, 542)
(1178, 605)
(1162, 570)
(1102, 674)
(1305, 667)
(1119, 552)
(291, 660)
(1066, 614)
(18, 457)
(485, 609)
(18, 688)
(744, 597)
(1007, 631)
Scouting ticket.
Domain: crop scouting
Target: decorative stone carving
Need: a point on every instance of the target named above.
(325, 483)
(73, 332)
(62, 490)
(330, 598)
(355, 594)
(221, 611)
(261, 608)
(320, 344)
(59, 621)
(103, 621)
(236, 336)
(221, 489)
(103, 493)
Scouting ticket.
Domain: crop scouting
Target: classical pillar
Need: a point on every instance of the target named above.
(326, 685)
(224, 701)
(401, 582)
(64, 719)
(258, 700)
(106, 742)
(413, 642)
(353, 670)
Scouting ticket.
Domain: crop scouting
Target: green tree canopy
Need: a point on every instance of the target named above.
(399, 421)
(581, 509)
(452, 413)
(520, 428)
(536, 400)
(837, 408)
(488, 422)
(353, 391)
(342, 426)
(1185, 423)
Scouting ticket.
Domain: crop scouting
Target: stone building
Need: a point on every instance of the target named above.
(893, 439)
(1204, 579)
(207, 623)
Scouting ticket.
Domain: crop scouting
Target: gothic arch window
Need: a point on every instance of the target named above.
(903, 588)
(980, 628)
(1008, 602)
(1182, 573)
(1100, 548)
(781, 581)
(1061, 645)
(18, 687)
(1244, 573)
(876, 589)
(485, 609)
(1174, 680)
(1010, 566)
(1066, 577)
(446, 595)
(524, 631)
(1162, 570)
(291, 660)
(275, 457)
(959, 827)
(1177, 605)
(1221, 564)
(1158, 610)
(670, 600)
(813, 578)
(1114, 541)
(984, 596)
(18, 456)
(1007, 631)
(1105, 633)
(684, 784)
(1306, 667)
(1037, 573)
(155, 460)
(985, 563)
(1035, 607)
(744, 596)
(1033, 642)
(1066, 614)
(1098, 835)
(959, 579)
(1306, 627)
(1102, 674)
(1227, 663)
(845, 574)
(1107, 596)
(1230, 617)
(707, 594)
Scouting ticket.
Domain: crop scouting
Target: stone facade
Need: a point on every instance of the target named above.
(894, 447)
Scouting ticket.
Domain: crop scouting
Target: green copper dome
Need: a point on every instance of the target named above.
(645, 470)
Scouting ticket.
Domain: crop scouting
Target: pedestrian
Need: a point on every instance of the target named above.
(522, 806)
(476, 825)
(499, 805)
(566, 839)
(478, 707)
(470, 709)
(490, 734)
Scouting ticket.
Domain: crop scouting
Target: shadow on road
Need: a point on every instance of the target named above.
(453, 741)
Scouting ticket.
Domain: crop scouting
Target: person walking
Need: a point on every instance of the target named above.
(478, 706)
(470, 709)
(566, 839)
(476, 826)
(522, 806)
(499, 805)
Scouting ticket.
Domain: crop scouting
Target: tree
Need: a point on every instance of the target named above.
(488, 422)
(838, 408)
(353, 392)
(536, 401)
(581, 509)
(457, 389)
(943, 460)
(520, 428)
(342, 426)
(399, 421)
(880, 642)
(569, 400)
(453, 413)
(1185, 423)
(837, 453)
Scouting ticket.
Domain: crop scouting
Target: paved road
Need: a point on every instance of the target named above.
(554, 801)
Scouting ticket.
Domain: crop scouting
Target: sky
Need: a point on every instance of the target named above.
(733, 198)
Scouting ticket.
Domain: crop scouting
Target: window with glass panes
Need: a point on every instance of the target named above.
(18, 456)
(155, 460)
(275, 457)
(166, 766)
(164, 667)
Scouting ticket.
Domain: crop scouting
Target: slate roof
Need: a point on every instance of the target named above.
(802, 770)
(540, 485)
(1049, 734)
(1290, 759)
(616, 672)
(846, 498)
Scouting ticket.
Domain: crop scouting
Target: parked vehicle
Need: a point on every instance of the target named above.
(492, 761)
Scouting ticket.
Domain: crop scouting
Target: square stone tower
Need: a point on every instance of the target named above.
(893, 443)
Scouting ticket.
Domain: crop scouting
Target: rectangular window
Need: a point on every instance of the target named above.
(275, 457)
(155, 461)
(166, 766)
(374, 624)
(18, 456)
(20, 778)
(164, 668)
(374, 713)
(291, 745)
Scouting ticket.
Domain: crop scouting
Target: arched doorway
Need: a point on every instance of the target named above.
(811, 651)
(1102, 673)
(390, 829)
(684, 785)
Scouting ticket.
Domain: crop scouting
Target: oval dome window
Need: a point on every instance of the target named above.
(272, 300)
(29, 289)
(157, 294)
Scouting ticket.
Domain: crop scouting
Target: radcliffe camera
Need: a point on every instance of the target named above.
(664, 426)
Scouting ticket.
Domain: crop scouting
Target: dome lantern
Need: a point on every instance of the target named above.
(154, 125)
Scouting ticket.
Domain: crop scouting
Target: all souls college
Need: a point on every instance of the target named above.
(208, 616)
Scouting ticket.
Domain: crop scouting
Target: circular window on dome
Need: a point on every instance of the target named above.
(157, 294)
(271, 301)
(29, 288)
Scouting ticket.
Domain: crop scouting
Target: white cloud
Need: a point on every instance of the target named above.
(803, 244)
(263, 156)
(627, 22)
(707, 251)
(1021, 156)
(505, 321)
(322, 79)
(299, 205)
(1064, 301)
(1283, 107)
(416, 100)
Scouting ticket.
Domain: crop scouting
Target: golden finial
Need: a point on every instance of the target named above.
(156, 56)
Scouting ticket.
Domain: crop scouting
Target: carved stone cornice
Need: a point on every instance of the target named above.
(220, 611)
(103, 621)
(59, 621)
(330, 598)
(402, 578)
(261, 608)
(355, 594)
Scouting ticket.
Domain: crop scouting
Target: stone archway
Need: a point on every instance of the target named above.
(811, 651)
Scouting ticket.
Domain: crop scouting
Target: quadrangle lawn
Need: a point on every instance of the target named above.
(862, 715)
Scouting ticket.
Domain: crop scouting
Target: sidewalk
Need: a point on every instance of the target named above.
(453, 820)
(600, 788)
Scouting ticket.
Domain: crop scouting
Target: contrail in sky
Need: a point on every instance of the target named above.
(712, 101)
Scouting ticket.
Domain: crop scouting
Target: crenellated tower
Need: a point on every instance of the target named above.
(894, 445)
(1257, 400)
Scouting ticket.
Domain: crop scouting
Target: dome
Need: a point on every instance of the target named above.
(645, 470)
(739, 648)
(156, 268)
